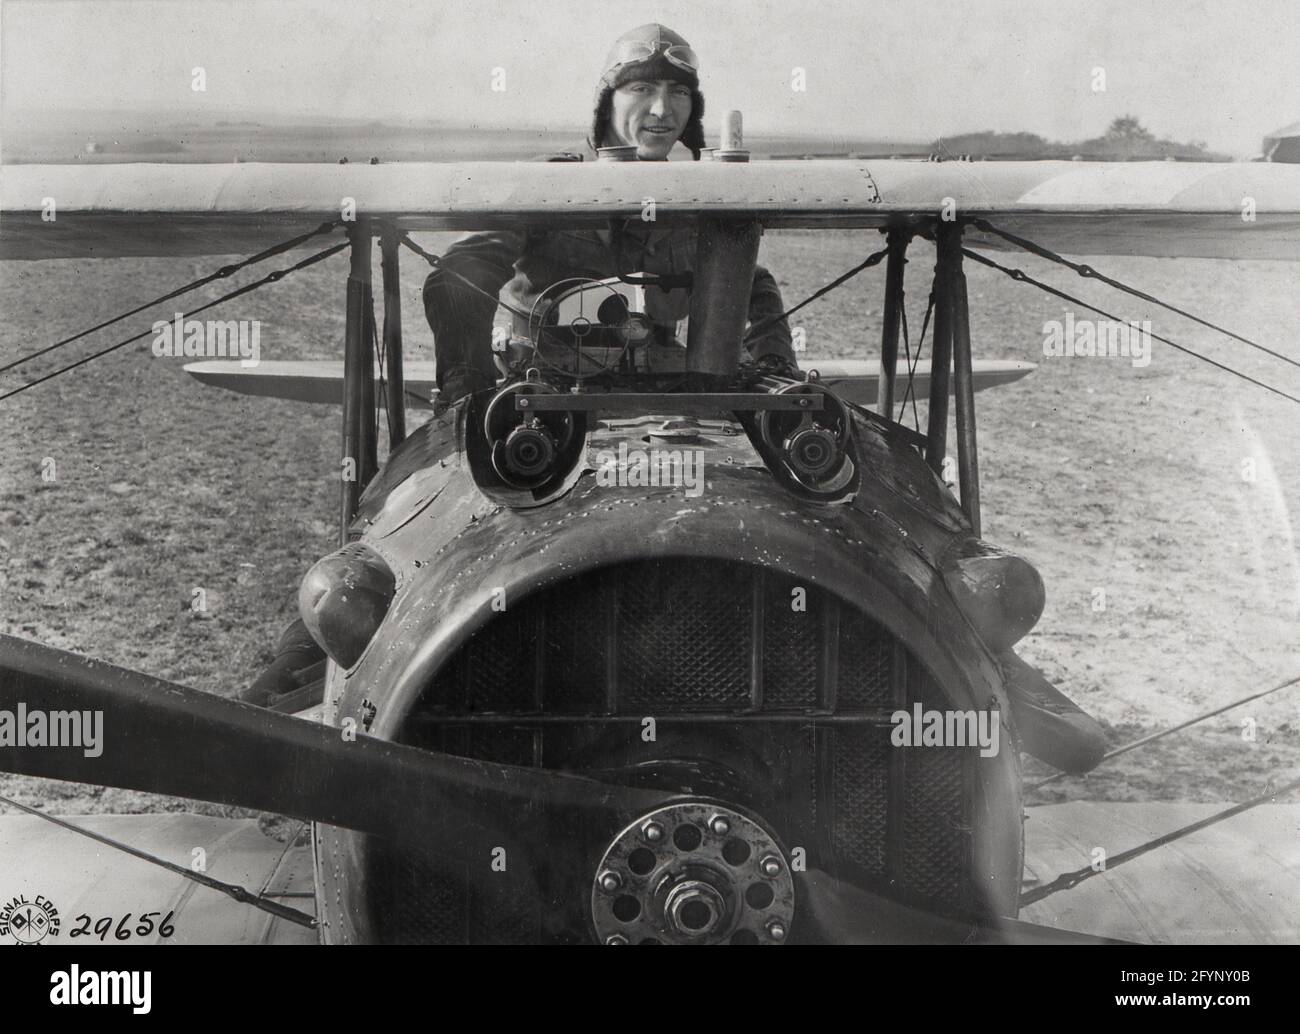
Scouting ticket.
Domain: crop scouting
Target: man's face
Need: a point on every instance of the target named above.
(650, 114)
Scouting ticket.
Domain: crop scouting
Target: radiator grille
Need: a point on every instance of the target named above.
(860, 796)
(691, 637)
(793, 644)
(677, 641)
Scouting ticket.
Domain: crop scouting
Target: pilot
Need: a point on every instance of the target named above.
(649, 98)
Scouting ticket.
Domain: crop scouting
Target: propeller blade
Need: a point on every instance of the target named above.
(164, 738)
(835, 911)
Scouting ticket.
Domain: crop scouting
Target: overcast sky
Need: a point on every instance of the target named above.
(1224, 73)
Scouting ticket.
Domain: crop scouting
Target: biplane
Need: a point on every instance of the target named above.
(562, 707)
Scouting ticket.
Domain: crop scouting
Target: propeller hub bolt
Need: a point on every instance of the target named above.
(616, 938)
(720, 825)
(653, 832)
(610, 881)
(771, 866)
(776, 930)
(694, 908)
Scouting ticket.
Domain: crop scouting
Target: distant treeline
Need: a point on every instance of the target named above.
(150, 145)
(1125, 140)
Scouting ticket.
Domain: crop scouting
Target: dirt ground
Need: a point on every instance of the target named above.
(1125, 486)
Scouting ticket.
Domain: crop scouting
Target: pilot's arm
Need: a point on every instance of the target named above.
(461, 313)
(772, 338)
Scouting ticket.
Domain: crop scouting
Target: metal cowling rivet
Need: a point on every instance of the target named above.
(771, 866)
(776, 930)
(610, 881)
(653, 832)
(616, 938)
(720, 825)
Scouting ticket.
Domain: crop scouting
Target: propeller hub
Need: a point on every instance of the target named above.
(705, 877)
(694, 908)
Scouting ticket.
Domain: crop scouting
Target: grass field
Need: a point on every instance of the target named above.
(1108, 477)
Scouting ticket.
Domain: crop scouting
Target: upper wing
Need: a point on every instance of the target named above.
(1144, 208)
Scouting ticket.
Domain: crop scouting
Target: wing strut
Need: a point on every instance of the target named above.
(360, 454)
(936, 448)
(951, 355)
(896, 250)
(395, 382)
(968, 463)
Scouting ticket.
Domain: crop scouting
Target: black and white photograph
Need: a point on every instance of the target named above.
(672, 473)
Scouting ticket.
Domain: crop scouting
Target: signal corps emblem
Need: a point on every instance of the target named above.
(29, 922)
